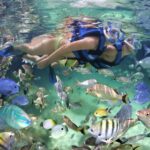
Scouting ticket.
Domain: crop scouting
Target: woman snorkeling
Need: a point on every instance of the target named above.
(83, 39)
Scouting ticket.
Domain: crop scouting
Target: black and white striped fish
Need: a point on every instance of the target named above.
(111, 129)
(105, 130)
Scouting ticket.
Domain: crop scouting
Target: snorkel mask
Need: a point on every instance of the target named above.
(118, 37)
(113, 34)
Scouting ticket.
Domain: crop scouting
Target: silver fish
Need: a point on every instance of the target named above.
(87, 83)
(58, 131)
(107, 73)
(145, 63)
(60, 92)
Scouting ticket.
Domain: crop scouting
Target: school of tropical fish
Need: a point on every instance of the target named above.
(100, 128)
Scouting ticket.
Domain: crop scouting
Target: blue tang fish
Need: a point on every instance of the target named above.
(14, 117)
(20, 100)
(142, 93)
(142, 97)
(141, 86)
(8, 87)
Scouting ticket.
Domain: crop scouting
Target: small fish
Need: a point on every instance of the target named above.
(72, 125)
(144, 116)
(8, 87)
(48, 124)
(107, 73)
(144, 63)
(147, 50)
(20, 100)
(60, 92)
(87, 83)
(123, 79)
(107, 130)
(102, 112)
(14, 117)
(84, 147)
(106, 93)
(137, 76)
(75, 105)
(7, 140)
(82, 70)
(58, 131)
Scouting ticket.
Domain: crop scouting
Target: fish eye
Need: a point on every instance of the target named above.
(62, 128)
(147, 114)
(99, 134)
(92, 130)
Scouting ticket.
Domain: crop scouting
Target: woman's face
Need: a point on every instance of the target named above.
(128, 49)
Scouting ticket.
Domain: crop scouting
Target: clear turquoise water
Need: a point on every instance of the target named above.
(24, 19)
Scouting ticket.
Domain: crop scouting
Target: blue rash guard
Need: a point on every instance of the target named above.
(93, 57)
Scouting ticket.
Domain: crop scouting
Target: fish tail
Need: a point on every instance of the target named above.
(125, 99)
(148, 135)
(83, 129)
(78, 82)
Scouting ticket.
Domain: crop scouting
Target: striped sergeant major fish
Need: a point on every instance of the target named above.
(110, 129)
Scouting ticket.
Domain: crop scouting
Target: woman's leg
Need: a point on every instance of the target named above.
(38, 46)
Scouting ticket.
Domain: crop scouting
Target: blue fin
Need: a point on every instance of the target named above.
(124, 113)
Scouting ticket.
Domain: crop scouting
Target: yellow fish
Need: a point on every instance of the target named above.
(102, 112)
(49, 124)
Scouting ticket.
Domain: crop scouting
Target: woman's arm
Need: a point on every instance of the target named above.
(89, 43)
